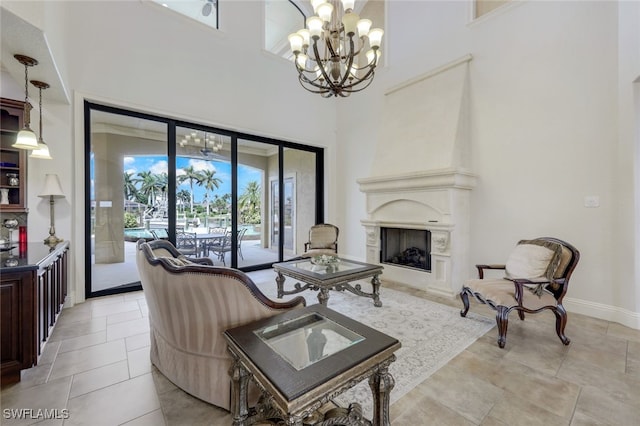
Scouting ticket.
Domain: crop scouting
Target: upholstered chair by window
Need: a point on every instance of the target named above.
(323, 239)
(536, 278)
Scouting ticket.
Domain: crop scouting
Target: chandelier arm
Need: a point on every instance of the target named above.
(357, 52)
(303, 71)
(298, 67)
(350, 89)
(372, 68)
(324, 90)
(349, 64)
(320, 64)
(312, 82)
(367, 76)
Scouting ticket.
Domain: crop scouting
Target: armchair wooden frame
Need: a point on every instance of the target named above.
(560, 282)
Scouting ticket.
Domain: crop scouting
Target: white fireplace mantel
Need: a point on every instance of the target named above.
(435, 200)
(431, 179)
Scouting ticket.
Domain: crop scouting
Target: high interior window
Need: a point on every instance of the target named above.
(482, 7)
(205, 11)
(282, 17)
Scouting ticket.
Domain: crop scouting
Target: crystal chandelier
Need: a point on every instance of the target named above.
(328, 50)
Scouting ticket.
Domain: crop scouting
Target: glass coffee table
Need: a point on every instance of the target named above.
(304, 358)
(328, 277)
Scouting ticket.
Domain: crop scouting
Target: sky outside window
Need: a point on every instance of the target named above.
(158, 164)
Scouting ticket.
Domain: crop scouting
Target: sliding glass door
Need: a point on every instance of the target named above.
(247, 200)
(127, 167)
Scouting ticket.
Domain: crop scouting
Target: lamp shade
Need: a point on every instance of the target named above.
(42, 152)
(52, 187)
(26, 139)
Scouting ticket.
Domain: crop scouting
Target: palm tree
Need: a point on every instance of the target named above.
(210, 182)
(148, 186)
(183, 196)
(130, 190)
(162, 185)
(249, 203)
(193, 176)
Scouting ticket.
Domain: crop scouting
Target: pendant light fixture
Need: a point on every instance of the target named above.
(26, 137)
(42, 151)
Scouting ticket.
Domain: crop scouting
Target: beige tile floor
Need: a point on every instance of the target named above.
(97, 367)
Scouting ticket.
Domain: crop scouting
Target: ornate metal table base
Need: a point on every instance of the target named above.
(323, 295)
(381, 383)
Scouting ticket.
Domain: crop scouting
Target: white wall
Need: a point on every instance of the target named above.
(627, 177)
(546, 105)
(553, 115)
(139, 55)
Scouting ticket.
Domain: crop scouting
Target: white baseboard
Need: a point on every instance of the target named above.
(69, 300)
(606, 312)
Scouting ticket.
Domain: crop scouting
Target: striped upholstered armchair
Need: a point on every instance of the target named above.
(191, 303)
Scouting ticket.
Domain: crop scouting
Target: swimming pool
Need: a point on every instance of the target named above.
(134, 234)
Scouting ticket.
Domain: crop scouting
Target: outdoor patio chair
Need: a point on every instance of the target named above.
(220, 247)
(536, 279)
(187, 243)
(241, 233)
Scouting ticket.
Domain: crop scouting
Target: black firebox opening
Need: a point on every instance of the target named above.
(410, 248)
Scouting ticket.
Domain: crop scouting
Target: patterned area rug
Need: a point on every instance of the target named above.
(431, 334)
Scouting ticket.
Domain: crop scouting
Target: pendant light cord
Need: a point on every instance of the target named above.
(26, 85)
(40, 107)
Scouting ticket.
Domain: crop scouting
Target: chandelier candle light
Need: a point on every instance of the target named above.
(328, 50)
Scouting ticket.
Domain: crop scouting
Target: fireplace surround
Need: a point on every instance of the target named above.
(409, 248)
(425, 181)
(436, 201)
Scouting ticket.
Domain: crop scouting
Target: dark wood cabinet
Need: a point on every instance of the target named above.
(13, 161)
(17, 304)
(32, 294)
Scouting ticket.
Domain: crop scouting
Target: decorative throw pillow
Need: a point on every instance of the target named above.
(534, 260)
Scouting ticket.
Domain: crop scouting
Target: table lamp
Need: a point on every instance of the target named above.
(53, 190)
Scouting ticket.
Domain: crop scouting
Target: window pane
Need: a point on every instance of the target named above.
(281, 19)
(128, 172)
(299, 199)
(203, 189)
(257, 203)
(205, 11)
